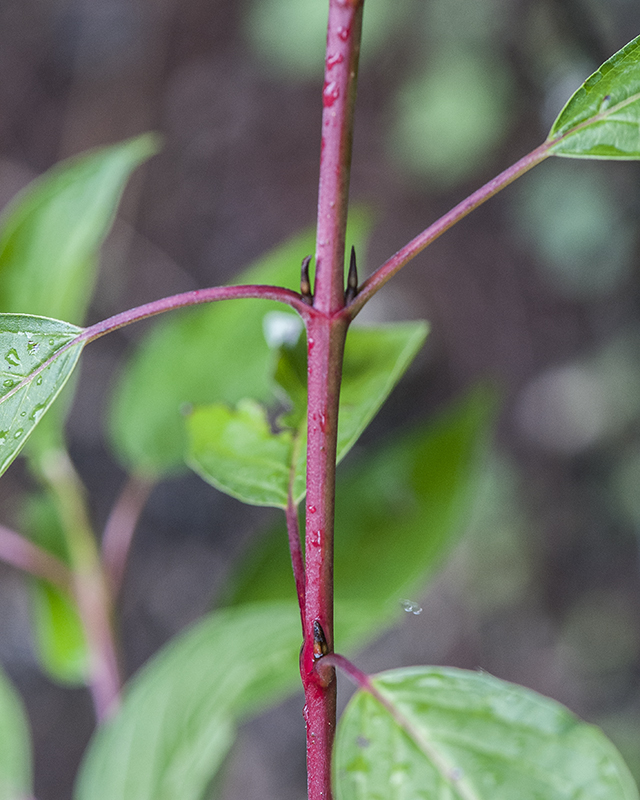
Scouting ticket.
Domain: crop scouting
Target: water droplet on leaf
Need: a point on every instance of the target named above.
(32, 347)
(12, 357)
(9, 383)
(18, 433)
(411, 607)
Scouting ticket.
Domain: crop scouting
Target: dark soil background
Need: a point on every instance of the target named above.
(545, 589)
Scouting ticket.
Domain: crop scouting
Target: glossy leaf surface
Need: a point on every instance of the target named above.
(26, 343)
(52, 232)
(15, 749)
(211, 354)
(397, 515)
(179, 714)
(237, 452)
(447, 733)
(602, 118)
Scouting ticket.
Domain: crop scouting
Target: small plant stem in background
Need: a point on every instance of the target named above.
(430, 234)
(326, 334)
(297, 562)
(120, 527)
(19, 552)
(90, 586)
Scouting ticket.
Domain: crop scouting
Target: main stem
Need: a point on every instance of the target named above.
(326, 334)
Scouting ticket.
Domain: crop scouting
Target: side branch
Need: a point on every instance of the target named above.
(193, 298)
(24, 555)
(422, 240)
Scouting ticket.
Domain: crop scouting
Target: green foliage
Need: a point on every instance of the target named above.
(191, 358)
(59, 639)
(237, 451)
(397, 513)
(27, 389)
(52, 232)
(602, 118)
(450, 118)
(15, 752)
(572, 218)
(445, 733)
(50, 240)
(180, 712)
(289, 35)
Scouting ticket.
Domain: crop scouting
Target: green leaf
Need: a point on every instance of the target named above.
(52, 232)
(26, 343)
(236, 451)
(447, 733)
(179, 713)
(49, 241)
(211, 354)
(398, 513)
(602, 118)
(15, 749)
(59, 639)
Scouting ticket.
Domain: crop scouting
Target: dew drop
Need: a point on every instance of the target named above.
(323, 423)
(37, 412)
(32, 347)
(52, 342)
(3, 437)
(12, 357)
(316, 538)
(23, 413)
(8, 383)
(343, 33)
(330, 93)
(334, 60)
(39, 380)
(18, 433)
(311, 509)
(411, 607)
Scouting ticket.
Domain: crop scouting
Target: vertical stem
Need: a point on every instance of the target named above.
(90, 587)
(325, 340)
(338, 99)
(326, 333)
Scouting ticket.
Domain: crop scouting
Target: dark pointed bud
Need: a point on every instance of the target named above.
(320, 646)
(305, 286)
(352, 278)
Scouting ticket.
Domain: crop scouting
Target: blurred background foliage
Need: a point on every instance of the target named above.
(537, 292)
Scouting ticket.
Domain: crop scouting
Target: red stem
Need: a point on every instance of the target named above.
(295, 549)
(430, 234)
(119, 530)
(326, 333)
